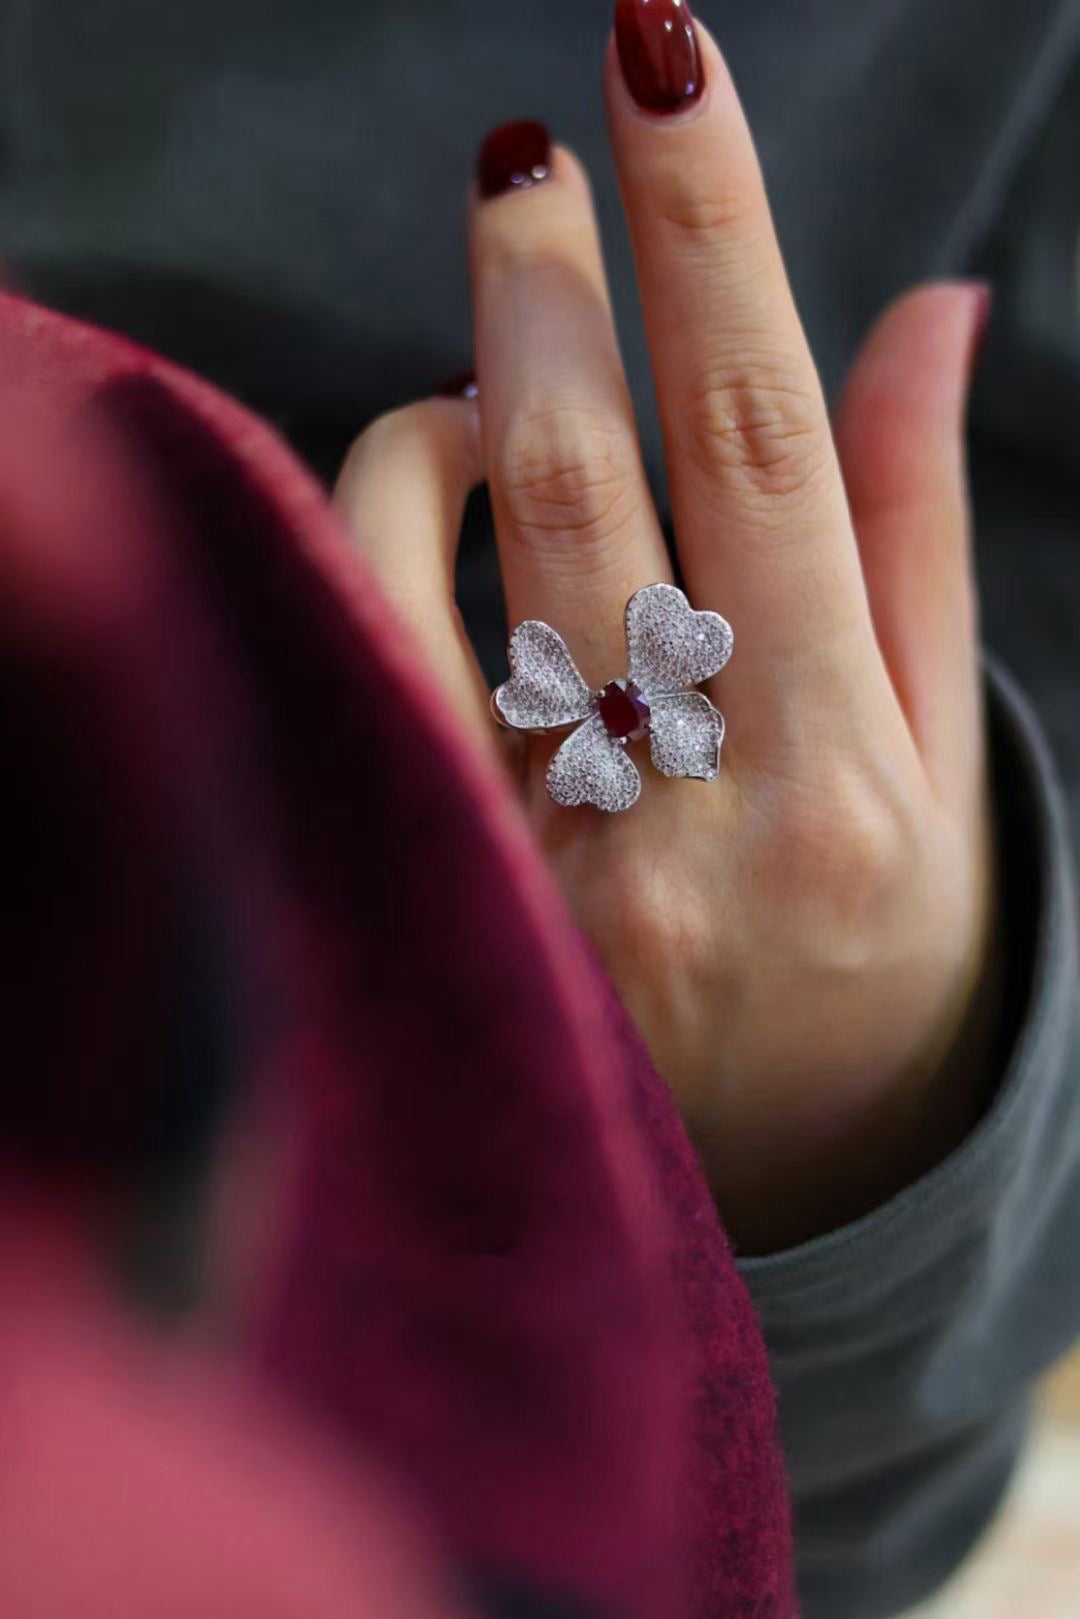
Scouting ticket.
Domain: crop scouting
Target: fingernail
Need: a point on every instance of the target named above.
(460, 386)
(513, 158)
(659, 53)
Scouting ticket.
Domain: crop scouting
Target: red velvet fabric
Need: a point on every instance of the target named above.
(468, 1251)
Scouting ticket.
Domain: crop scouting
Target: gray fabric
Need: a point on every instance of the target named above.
(273, 188)
(904, 1347)
(270, 191)
(1026, 437)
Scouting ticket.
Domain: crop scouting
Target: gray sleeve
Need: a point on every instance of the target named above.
(905, 1346)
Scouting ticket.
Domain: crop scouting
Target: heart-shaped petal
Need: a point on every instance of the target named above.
(671, 647)
(592, 768)
(685, 736)
(544, 690)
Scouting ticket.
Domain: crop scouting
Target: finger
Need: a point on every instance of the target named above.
(763, 530)
(576, 527)
(402, 494)
(900, 433)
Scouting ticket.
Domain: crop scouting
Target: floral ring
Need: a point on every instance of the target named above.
(672, 649)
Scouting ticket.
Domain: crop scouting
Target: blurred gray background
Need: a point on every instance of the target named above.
(270, 191)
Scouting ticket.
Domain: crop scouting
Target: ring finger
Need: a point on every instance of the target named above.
(760, 512)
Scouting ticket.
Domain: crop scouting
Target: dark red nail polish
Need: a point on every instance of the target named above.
(513, 158)
(460, 386)
(659, 53)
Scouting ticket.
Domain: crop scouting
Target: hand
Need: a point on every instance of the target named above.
(805, 942)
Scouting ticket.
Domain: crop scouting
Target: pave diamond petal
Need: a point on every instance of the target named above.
(544, 690)
(686, 736)
(671, 647)
(592, 768)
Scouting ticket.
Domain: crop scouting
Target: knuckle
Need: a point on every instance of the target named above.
(394, 427)
(767, 433)
(385, 436)
(656, 925)
(876, 848)
(374, 436)
(566, 475)
(854, 845)
(694, 217)
(533, 249)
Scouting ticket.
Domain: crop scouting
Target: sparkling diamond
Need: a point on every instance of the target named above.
(686, 736)
(592, 768)
(544, 690)
(671, 647)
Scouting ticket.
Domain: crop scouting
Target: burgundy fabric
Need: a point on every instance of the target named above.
(484, 1262)
(141, 1484)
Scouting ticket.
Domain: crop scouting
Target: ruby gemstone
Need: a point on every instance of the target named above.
(624, 711)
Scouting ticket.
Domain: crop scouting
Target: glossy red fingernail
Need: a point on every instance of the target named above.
(513, 158)
(659, 53)
(460, 386)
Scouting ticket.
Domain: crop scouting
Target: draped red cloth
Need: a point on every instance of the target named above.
(469, 1323)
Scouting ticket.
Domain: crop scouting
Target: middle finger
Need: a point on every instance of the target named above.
(577, 530)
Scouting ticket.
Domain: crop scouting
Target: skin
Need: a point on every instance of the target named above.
(806, 945)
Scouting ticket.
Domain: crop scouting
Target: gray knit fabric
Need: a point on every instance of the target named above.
(905, 1346)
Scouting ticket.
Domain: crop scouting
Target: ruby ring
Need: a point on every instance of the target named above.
(671, 650)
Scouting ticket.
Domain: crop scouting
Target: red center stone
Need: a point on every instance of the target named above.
(624, 711)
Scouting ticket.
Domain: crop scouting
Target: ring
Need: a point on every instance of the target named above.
(671, 650)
